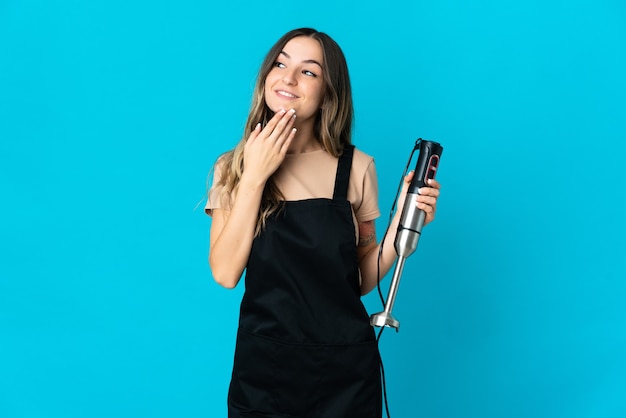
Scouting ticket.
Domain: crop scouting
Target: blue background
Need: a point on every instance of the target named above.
(113, 112)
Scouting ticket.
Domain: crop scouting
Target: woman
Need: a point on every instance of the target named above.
(294, 206)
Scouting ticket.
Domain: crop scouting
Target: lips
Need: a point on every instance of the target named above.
(286, 94)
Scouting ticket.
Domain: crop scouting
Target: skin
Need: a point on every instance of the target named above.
(293, 87)
(297, 83)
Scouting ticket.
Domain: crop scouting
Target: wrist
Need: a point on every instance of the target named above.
(251, 182)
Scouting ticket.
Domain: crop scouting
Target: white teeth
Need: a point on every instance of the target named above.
(284, 93)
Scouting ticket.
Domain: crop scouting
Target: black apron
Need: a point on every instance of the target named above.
(304, 347)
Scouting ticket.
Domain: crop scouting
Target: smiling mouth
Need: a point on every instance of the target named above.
(286, 94)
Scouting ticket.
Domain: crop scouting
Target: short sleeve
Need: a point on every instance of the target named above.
(218, 197)
(368, 209)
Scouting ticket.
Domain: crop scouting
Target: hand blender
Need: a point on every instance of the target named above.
(410, 226)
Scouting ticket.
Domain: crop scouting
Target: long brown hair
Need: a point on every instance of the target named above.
(333, 124)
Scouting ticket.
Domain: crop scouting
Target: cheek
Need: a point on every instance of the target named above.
(266, 92)
(319, 94)
(269, 101)
(272, 77)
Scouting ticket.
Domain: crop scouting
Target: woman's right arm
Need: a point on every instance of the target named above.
(232, 232)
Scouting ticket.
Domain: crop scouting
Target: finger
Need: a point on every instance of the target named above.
(407, 180)
(271, 125)
(285, 146)
(426, 207)
(255, 132)
(434, 184)
(428, 200)
(283, 127)
(251, 141)
(428, 191)
(288, 131)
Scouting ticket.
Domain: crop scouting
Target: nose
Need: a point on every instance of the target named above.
(289, 77)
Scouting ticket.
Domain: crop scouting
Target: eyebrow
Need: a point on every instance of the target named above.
(304, 61)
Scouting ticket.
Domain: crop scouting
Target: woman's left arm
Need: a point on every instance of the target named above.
(368, 249)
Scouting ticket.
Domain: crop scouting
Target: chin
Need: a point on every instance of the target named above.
(273, 107)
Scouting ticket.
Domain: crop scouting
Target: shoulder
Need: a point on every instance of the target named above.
(362, 163)
(220, 164)
(360, 156)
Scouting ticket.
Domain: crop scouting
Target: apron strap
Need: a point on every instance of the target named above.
(342, 180)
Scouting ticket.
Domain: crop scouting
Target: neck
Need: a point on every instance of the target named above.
(304, 141)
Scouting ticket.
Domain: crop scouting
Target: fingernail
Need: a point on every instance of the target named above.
(281, 112)
(292, 111)
(258, 125)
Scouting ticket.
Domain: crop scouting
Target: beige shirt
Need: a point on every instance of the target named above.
(312, 175)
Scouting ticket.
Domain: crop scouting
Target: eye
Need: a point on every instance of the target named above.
(279, 64)
(309, 73)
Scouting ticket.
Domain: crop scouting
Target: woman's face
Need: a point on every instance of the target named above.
(296, 81)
